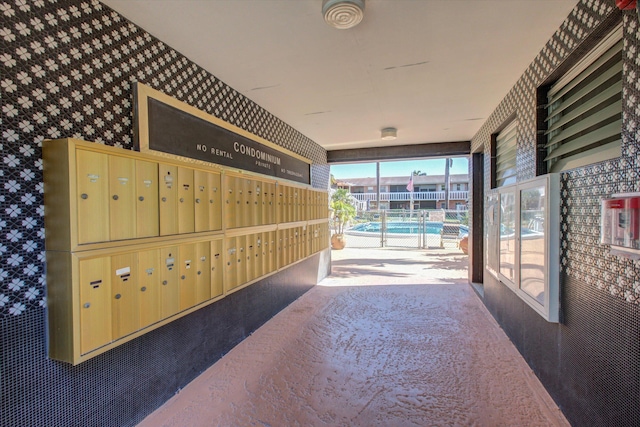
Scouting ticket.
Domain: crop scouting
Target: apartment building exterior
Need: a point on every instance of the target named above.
(429, 192)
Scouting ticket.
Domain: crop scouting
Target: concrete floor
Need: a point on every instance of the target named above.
(392, 338)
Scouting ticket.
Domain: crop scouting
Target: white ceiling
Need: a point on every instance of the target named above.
(434, 69)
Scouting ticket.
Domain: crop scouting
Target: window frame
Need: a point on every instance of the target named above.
(497, 140)
(603, 152)
(549, 308)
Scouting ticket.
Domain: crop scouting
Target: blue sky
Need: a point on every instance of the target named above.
(399, 168)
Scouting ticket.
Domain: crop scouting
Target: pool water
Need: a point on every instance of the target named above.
(403, 227)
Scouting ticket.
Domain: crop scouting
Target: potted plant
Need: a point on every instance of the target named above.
(343, 212)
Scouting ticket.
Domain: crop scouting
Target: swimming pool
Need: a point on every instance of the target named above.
(405, 227)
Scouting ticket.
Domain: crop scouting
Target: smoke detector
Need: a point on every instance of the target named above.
(343, 14)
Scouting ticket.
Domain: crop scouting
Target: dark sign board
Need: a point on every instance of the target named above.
(174, 131)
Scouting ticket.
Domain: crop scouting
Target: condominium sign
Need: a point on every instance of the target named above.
(174, 129)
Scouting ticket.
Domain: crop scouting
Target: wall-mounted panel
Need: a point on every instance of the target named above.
(173, 237)
(125, 295)
(186, 208)
(92, 196)
(122, 192)
(147, 211)
(149, 283)
(168, 195)
(94, 300)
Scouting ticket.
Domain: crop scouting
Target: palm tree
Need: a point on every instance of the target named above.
(343, 210)
(333, 181)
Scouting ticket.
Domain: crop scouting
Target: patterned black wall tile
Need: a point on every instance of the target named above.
(589, 362)
(583, 188)
(66, 70)
(122, 386)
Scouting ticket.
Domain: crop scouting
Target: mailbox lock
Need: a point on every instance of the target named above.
(141, 198)
(84, 196)
(164, 199)
(181, 200)
(144, 288)
(87, 305)
(183, 277)
(118, 296)
(197, 200)
(164, 282)
(115, 197)
(199, 273)
(210, 201)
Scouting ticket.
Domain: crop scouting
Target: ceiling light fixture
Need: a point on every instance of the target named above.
(389, 134)
(343, 14)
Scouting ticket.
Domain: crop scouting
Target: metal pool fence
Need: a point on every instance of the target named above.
(422, 229)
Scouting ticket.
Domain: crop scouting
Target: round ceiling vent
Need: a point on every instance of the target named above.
(343, 14)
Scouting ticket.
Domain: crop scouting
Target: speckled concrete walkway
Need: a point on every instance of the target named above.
(392, 338)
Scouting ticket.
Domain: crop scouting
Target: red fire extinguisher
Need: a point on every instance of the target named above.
(626, 4)
(629, 5)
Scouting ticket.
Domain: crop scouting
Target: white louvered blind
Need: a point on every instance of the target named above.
(506, 155)
(585, 110)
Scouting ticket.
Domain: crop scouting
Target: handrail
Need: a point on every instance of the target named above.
(417, 196)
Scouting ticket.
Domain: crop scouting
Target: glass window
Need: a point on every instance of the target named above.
(532, 242)
(505, 167)
(523, 246)
(584, 117)
(507, 235)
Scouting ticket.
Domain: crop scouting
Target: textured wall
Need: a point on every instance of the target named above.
(590, 362)
(67, 71)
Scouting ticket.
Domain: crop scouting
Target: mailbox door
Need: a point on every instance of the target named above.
(95, 303)
(147, 209)
(203, 271)
(290, 207)
(254, 202)
(270, 204)
(295, 203)
(280, 248)
(93, 196)
(149, 283)
(168, 193)
(230, 200)
(170, 281)
(304, 242)
(231, 264)
(245, 202)
(241, 262)
(122, 191)
(279, 202)
(263, 201)
(272, 252)
(296, 244)
(187, 263)
(125, 295)
(250, 256)
(215, 204)
(201, 190)
(186, 208)
(217, 268)
(258, 257)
